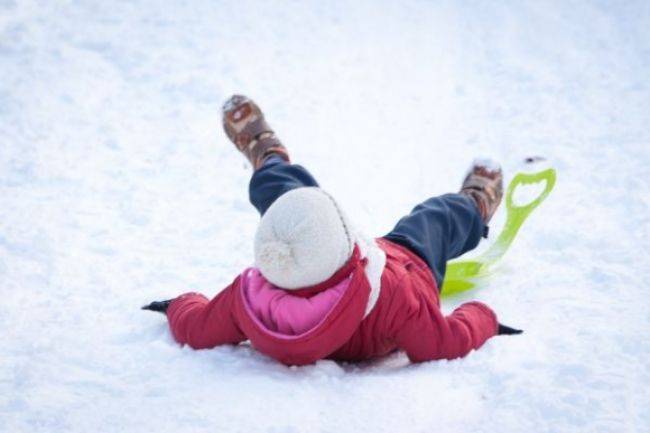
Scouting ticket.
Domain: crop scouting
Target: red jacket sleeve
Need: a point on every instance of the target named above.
(204, 324)
(427, 334)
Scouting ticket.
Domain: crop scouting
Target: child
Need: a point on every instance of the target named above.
(319, 289)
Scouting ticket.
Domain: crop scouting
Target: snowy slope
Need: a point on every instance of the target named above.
(118, 187)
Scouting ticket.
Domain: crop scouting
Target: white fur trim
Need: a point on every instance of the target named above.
(374, 269)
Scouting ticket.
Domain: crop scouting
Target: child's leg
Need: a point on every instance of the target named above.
(247, 128)
(440, 229)
(275, 177)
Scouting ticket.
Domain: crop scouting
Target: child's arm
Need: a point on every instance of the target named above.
(203, 324)
(427, 334)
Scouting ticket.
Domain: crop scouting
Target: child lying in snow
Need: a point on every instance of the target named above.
(319, 289)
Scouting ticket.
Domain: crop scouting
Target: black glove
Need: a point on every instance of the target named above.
(159, 306)
(506, 330)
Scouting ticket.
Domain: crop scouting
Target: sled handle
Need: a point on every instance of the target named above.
(518, 214)
(525, 179)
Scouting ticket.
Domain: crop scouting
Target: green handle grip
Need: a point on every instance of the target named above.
(518, 214)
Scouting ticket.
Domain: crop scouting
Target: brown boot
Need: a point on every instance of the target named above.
(484, 184)
(246, 126)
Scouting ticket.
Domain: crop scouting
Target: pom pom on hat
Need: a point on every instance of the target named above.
(303, 239)
(275, 255)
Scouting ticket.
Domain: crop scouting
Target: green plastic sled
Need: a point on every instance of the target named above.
(463, 275)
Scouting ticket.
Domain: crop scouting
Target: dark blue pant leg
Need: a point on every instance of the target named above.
(440, 229)
(275, 178)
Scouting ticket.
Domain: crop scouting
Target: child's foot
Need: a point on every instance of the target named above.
(484, 184)
(246, 126)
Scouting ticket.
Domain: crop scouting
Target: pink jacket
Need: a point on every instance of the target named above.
(330, 320)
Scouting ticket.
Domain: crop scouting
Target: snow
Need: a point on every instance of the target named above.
(118, 187)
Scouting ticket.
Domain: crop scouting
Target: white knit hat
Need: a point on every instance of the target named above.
(303, 239)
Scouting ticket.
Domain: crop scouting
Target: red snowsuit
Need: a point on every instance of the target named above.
(405, 317)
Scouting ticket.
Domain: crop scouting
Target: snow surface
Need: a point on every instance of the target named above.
(118, 187)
